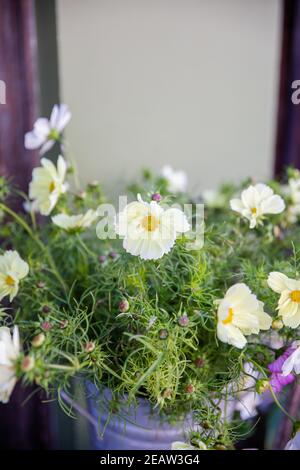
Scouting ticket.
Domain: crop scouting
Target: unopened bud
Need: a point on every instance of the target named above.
(63, 324)
(190, 388)
(81, 195)
(277, 324)
(102, 259)
(167, 393)
(27, 364)
(89, 347)
(163, 334)
(46, 326)
(183, 320)
(40, 284)
(262, 386)
(124, 306)
(156, 197)
(113, 254)
(46, 309)
(199, 362)
(38, 340)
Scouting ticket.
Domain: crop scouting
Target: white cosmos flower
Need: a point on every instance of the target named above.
(45, 131)
(73, 222)
(12, 270)
(289, 301)
(240, 314)
(47, 184)
(293, 191)
(177, 445)
(292, 363)
(256, 201)
(213, 198)
(177, 180)
(9, 351)
(148, 230)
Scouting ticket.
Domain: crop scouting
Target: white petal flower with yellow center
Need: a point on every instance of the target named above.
(75, 222)
(256, 201)
(9, 351)
(240, 314)
(148, 230)
(177, 180)
(289, 301)
(48, 184)
(12, 270)
(46, 132)
(292, 363)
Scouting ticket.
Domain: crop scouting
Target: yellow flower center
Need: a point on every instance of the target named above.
(295, 296)
(254, 210)
(10, 281)
(229, 317)
(51, 187)
(150, 223)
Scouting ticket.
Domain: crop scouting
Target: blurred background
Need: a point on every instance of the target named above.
(202, 85)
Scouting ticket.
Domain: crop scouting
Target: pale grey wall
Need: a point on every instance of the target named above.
(192, 83)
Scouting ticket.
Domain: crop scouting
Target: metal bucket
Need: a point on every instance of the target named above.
(141, 428)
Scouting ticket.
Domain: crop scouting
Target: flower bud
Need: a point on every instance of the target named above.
(46, 309)
(93, 184)
(163, 334)
(262, 386)
(167, 393)
(190, 388)
(277, 324)
(81, 195)
(38, 340)
(113, 255)
(89, 346)
(46, 326)
(199, 362)
(27, 364)
(63, 324)
(40, 284)
(156, 197)
(124, 306)
(183, 320)
(102, 259)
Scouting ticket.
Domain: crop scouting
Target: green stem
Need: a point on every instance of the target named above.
(280, 405)
(34, 237)
(83, 245)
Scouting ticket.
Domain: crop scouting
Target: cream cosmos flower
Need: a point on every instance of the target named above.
(47, 184)
(177, 180)
(289, 301)
(9, 351)
(75, 222)
(46, 131)
(148, 230)
(256, 201)
(240, 314)
(12, 270)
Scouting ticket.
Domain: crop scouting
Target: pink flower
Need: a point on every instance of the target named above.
(278, 381)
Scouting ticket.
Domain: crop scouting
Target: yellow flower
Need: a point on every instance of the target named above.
(240, 314)
(289, 301)
(12, 269)
(47, 185)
